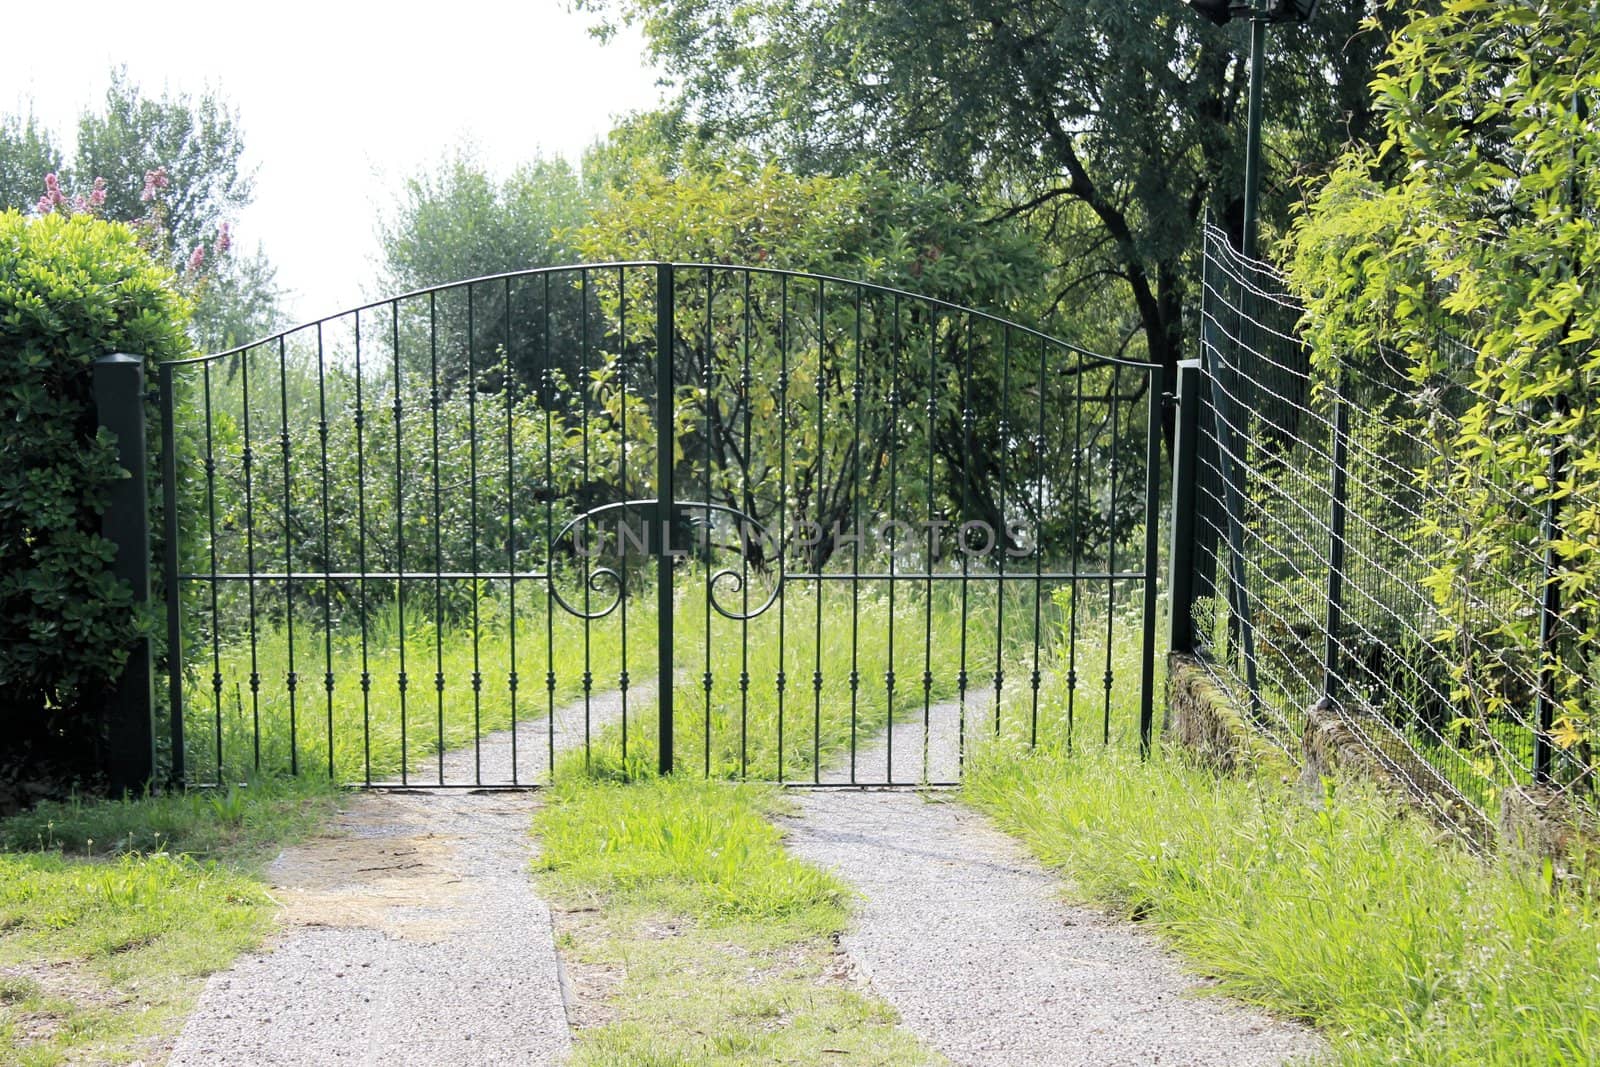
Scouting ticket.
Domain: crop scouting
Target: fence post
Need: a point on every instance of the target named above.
(169, 505)
(1334, 621)
(1152, 512)
(1181, 562)
(1549, 619)
(131, 725)
(664, 511)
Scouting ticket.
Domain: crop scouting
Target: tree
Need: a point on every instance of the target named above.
(27, 154)
(172, 167)
(456, 222)
(197, 144)
(1111, 128)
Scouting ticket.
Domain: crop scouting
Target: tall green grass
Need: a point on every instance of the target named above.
(1400, 946)
(378, 732)
(835, 650)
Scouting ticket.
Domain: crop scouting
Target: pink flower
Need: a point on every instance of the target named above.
(224, 240)
(80, 204)
(44, 206)
(97, 196)
(52, 185)
(197, 257)
(154, 181)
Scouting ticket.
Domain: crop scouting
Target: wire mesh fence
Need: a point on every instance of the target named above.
(1327, 564)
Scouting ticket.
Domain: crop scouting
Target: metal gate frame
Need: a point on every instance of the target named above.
(666, 503)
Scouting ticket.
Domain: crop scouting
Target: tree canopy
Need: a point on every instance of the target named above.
(1110, 128)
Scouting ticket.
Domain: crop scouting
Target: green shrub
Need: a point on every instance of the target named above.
(71, 290)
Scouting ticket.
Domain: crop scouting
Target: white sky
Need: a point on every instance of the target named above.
(338, 102)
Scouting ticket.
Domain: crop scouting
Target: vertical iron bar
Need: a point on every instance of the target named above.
(507, 387)
(1152, 531)
(292, 678)
(998, 539)
(547, 382)
(893, 524)
(438, 554)
(1334, 623)
(961, 546)
(327, 553)
(855, 532)
(247, 459)
(1077, 545)
(169, 501)
(361, 563)
(1040, 456)
(211, 529)
(1111, 562)
(707, 393)
(747, 506)
(817, 557)
(932, 408)
(782, 680)
(472, 526)
(401, 680)
(583, 479)
(622, 479)
(665, 417)
(1549, 618)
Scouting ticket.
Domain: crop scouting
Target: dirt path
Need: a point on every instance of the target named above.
(967, 937)
(412, 932)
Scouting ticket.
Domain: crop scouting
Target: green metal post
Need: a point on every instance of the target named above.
(130, 764)
(1252, 150)
(1152, 511)
(1339, 494)
(664, 510)
(169, 518)
(1185, 450)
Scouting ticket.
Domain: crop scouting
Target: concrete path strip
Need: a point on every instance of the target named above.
(968, 938)
(413, 934)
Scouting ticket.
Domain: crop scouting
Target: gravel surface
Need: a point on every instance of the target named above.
(968, 938)
(413, 935)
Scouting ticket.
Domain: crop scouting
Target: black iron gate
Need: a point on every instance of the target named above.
(727, 520)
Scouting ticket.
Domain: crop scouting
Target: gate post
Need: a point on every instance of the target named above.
(1185, 449)
(119, 405)
(665, 418)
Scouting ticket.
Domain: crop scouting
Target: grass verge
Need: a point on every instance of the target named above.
(112, 913)
(691, 937)
(1400, 946)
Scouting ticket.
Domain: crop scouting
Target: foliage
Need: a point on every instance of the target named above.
(70, 290)
(1110, 127)
(27, 154)
(1486, 235)
(1398, 947)
(795, 395)
(171, 167)
(456, 222)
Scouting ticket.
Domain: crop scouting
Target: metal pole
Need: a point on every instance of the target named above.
(1181, 562)
(1252, 151)
(1152, 511)
(131, 728)
(169, 520)
(664, 511)
(1336, 541)
(1549, 623)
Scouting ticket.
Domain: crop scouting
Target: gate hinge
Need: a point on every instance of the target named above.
(1169, 400)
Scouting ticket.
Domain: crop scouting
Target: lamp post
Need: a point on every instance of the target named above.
(1260, 13)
